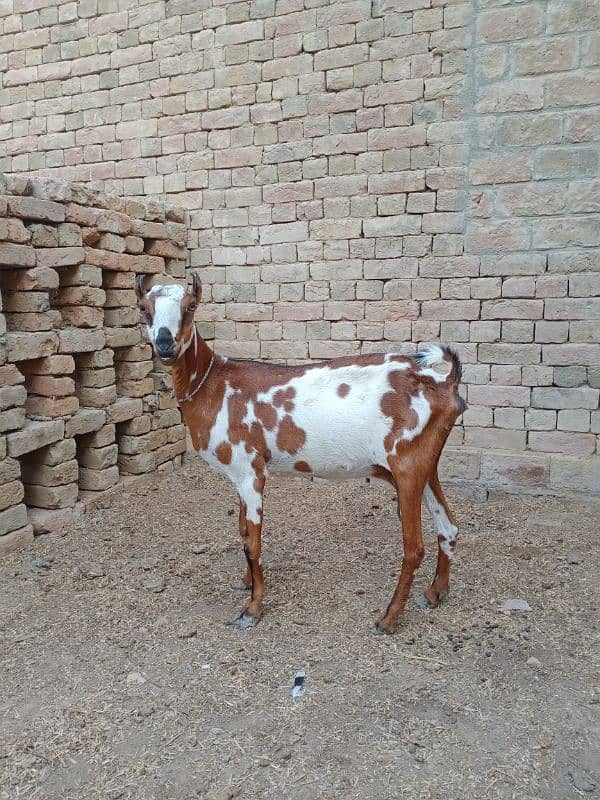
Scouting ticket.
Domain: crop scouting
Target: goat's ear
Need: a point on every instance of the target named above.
(139, 287)
(194, 286)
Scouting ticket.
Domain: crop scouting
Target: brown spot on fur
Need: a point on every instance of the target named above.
(302, 466)
(290, 437)
(284, 397)
(223, 452)
(343, 389)
(396, 404)
(266, 414)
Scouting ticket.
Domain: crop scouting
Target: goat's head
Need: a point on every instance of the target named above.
(169, 315)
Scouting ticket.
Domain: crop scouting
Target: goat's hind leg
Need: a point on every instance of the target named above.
(244, 583)
(447, 530)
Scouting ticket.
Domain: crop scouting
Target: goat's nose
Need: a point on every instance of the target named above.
(164, 341)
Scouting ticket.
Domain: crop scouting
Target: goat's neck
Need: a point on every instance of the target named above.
(191, 367)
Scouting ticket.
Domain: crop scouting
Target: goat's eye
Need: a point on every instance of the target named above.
(191, 307)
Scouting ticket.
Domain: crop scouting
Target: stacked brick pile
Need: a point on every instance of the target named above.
(361, 175)
(80, 403)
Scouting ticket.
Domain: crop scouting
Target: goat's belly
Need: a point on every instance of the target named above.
(336, 455)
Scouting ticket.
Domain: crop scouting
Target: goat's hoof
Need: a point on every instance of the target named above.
(245, 621)
(240, 586)
(424, 602)
(379, 630)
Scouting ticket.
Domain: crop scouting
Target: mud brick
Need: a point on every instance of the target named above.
(166, 418)
(23, 346)
(16, 539)
(54, 454)
(34, 435)
(137, 464)
(100, 438)
(136, 426)
(46, 321)
(96, 378)
(149, 230)
(23, 302)
(43, 475)
(12, 518)
(48, 407)
(86, 420)
(60, 256)
(81, 215)
(118, 317)
(112, 242)
(169, 451)
(80, 295)
(10, 375)
(12, 420)
(13, 230)
(82, 316)
(45, 520)
(51, 496)
(123, 261)
(119, 280)
(123, 409)
(32, 208)
(96, 480)
(81, 275)
(100, 359)
(132, 445)
(10, 470)
(12, 396)
(141, 352)
(166, 250)
(69, 235)
(136, 388)
(176, 433)
(28, 280)
(52, 365)
(119, 298)
(97, 398)
(43, 235)
(133, 370)
(167, 401)
(51, 386)
(98, 457)
(74, 340)
(113, 222)
(122, 337)
(10, 494)
(134, 244)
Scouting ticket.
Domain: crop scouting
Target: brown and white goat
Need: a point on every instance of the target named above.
(386, 416)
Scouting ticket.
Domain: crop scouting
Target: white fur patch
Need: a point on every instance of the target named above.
(167, 310)
(444, 527)
(420, 405)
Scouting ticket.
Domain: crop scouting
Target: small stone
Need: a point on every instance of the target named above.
(136, 678)
(187, 631)
(263, 761)
(92, 570)
(573, 558)
(581, 779)
(155, 585)
(515, 605)
(534, 662)
(198, 549)
(40, 566)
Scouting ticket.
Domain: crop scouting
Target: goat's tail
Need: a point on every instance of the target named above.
(436, 354)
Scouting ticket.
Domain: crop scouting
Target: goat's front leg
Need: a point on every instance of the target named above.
(251, 495)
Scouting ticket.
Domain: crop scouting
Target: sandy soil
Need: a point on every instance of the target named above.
(120, 679)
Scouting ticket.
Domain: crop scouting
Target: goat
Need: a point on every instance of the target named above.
(381, 415)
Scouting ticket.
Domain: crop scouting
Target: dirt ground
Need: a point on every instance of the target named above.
(119, 677)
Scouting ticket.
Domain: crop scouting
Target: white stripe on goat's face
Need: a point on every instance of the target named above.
(167, 310)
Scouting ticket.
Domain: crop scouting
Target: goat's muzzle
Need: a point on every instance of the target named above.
(165, 345)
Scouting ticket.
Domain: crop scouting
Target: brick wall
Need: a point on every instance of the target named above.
(361, 175)
(82, 405)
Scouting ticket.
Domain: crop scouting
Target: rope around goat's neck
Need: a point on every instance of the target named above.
(190, 395)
